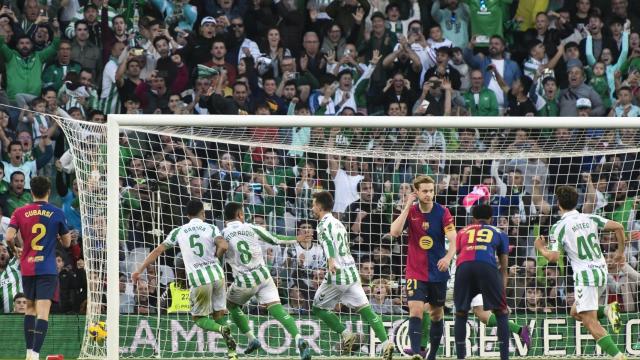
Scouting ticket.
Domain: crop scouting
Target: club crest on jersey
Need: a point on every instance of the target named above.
(425, 225)
(426, 242)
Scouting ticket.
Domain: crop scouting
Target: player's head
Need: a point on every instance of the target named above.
(425, 188)
(322, 203)
(40, 187)
(482, 212)
(233, 211)
(567, 197)
(195, 209)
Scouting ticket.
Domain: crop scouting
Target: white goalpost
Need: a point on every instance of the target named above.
(135, 173)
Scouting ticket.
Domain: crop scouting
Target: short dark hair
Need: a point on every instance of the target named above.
(159, 38)
(194, 207)
(324, 199)
(19, 295)
(567, 197)
(482, 212)
(231, 210)
(40, 186)
(14, 142)
(80, 22)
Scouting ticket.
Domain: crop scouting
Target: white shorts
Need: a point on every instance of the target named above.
(208, 298)
(266, 293)
(329, 295)
(587, 297)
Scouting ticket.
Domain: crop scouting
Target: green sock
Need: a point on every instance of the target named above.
(375, 322)
(278, 312)
(208, 324)
(601, 313)
(329, 318)
(607, 344)
(222, 321)
(239, 318)
(513, 327)
(426, 324)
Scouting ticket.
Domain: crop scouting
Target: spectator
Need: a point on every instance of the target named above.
(19, 303)
(453, 17)
(55, 72)
(345, 180)
(84, 51)
(487, 19)
(381, 301)
(11, 281)
(598, 40)
(342, 11)
(479, 100)
(624, 106)
(578, 89)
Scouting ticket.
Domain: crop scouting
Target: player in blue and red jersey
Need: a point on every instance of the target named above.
(477, 273)
(427, 223)
(40, 225)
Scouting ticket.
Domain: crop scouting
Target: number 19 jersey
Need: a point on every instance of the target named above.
(335, 242)
(578, 234)
(197, 245)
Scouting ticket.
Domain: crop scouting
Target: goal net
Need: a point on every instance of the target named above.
(274, 171)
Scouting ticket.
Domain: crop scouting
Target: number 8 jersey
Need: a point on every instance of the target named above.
(577, 233)
(197, 245)
(335, 242)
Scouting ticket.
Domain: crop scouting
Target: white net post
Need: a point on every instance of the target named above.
(113, 240)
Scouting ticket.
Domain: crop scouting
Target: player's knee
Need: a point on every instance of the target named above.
(437, 313)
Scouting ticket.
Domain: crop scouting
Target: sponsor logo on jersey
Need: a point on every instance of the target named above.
(426, 242)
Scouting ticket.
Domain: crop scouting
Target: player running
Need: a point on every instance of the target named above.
(578, 234)
(427, 224)
(342, 282)
(39, 224)
(201, 244)
(477, 273)
(252, 277)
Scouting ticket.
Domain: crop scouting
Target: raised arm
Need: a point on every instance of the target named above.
(550, 254)
(618, 229)
(398, 224)
(273, 239)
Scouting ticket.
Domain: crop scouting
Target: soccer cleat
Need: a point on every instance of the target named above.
(347, 343)
(253, 346)
(409, 352)
(613, 315)
(232, 355)
(417, 357)
(225, 331)
(525, 335)
(303, 347)
(387, 352)
(620, 356)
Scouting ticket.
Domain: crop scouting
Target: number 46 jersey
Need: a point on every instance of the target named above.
(578, 234)
(197, 245)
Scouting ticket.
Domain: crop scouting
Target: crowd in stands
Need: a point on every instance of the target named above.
(86, 59)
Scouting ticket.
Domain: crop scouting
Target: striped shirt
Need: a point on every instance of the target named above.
(335, 242)
(10, 285)
(578, 234)
(245, 252)
(110, 99)
(197, 245)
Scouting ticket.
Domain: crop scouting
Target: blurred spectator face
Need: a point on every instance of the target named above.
(398, 82)
(42, 35)
(86, 78)
(366, 191)
(82, 32)
(457, 57)
(91, 15)
(226, 162)
(584, 112)
(394, 109)
(208, 30)
(346, 81)
(616, 29)
(165, 170)
(634, 40)
(289, 91)
(24, 47)
(496, 47)
(4, 256)
(382, 255)
(273, 36)
(31, 10)
(133, 69)
(572, 52)
(380, 291)
(218, 50)
(196, 189)
(532, 297)
(571, 298)
(503, 224)
(393, 13)
(225, 4)
(132, 106)
(311, 43)
(270, 159)
(288, 64)
(335, 33)
(59, 264)
(625, 97)
(158, 84)
(263, 110)
(240, 93)
(123, 283)
(595, 25)
(516, 87)
(202, 85)
(137, 168)
(488, 182)
(477, 80)
(237, 25)
(620, 189)
(119, 26)
(542, 23)
(442, 58)
(162, 47)
(435, 91)
(377, 25)
(351, 164)
(270, 87)
(584, 6)
(259, 221)
(76, 114)
(537, 52)
(308, 171)
(316, 278)
(619, 7)
(117, 49)
(305, 235)
(516, 178)
(550, 88)
(404, 109)
(530, 267)
(184, 167)
(562, 135)
(435, 33)
(606, 56)
(174, 100)
(20, 305)
(366, 272)
(64, 53)
(15, 153)
(576, 77)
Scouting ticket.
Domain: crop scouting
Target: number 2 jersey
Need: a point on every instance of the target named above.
(245, 252)
(427, 242)
(39, 225)
(197, 245)
(578, 234)
(335, 241)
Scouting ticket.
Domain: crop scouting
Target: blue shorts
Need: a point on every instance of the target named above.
(41, 287)
(433, 293)
(473, 278)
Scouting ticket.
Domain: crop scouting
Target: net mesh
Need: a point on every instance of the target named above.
(275, 171)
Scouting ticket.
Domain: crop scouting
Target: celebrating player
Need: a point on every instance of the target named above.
(477, 273)
(201, 244)
(342, 283)
(39, 224)
(578, 234)
(252, 277)
(10, 279)
(427, 224)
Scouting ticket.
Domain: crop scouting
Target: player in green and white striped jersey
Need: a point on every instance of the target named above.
(201, 245)
(10, 280)
(342, 282)
(578, 235)
(252, 277)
